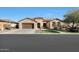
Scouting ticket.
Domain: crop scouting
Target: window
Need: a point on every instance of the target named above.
(58, 24)
(53, 24)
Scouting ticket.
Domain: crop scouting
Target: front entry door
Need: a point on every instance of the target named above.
(38, 25)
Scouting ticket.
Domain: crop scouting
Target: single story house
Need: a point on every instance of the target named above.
(40, 23)
(6, 24)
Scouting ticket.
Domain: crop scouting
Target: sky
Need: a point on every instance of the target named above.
(18, 13)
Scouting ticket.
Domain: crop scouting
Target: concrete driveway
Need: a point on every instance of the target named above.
(19, 31)
(23, 31)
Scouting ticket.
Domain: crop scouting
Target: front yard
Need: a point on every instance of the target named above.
(47, 31)
(50, 31)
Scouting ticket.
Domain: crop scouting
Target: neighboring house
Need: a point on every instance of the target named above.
(6, 24)
(40, 23)
(13, 25)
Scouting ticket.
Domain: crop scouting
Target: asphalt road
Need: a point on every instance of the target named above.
(39, 43)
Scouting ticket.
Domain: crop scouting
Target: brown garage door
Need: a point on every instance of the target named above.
(27, 25)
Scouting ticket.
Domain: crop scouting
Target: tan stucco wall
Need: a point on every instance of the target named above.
(2, 25)
(48, 25)
(56, 23)
(41, 21)
(38, 20)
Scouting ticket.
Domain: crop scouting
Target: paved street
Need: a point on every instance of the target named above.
(39, 43)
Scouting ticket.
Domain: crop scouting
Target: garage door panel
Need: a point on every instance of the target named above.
(27, 25)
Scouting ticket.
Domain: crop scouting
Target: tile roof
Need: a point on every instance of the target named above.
(24, 19)
(45, 20)
(39, 18)
(7, 20)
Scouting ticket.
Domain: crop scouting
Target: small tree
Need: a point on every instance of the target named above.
(72, 17)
